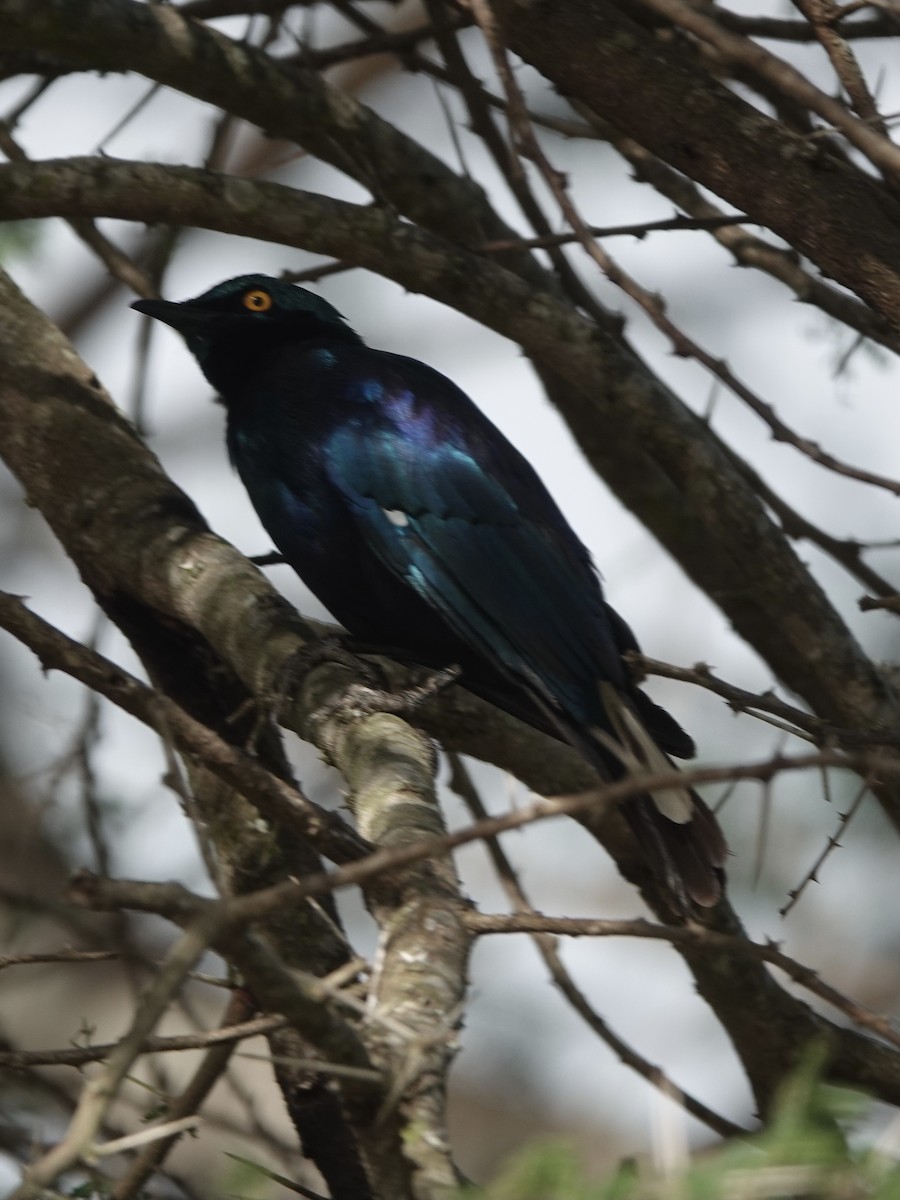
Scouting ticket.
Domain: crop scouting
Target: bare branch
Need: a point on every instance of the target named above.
(99, 1092)
(690, 935)
(881, 25)
(736, 49)
(57, 956)
(173, 901)
(77, 1056)
(180, 1111)
(823, 15)
(755, 702)
(653, 305)
(750, 250)
(832, 844)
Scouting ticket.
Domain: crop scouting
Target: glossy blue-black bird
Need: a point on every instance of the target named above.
(420, 527)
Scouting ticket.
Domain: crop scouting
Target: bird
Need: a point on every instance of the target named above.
(421, 528)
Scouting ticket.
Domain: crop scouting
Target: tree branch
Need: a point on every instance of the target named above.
(657, 93)
(881, 1026)
(99, 1092)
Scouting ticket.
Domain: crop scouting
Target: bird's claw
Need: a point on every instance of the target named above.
(272, 559)
(330, 649)
(361, 699)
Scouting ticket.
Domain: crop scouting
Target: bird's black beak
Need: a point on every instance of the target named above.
(182, 317)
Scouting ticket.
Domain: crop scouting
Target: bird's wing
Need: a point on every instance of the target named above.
(473, 531)
(517, 589)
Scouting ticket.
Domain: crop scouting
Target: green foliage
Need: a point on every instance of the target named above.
(803, 1154)
(547, 1168)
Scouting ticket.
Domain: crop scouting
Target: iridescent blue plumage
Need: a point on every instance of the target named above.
(421, 528)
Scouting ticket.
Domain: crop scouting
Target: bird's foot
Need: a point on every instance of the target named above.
(332, 649)
(429, 685)
(362, 699)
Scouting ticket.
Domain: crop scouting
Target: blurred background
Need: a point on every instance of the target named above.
(82, 783)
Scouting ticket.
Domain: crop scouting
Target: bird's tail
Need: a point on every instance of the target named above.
(676, 829)
(688, 858)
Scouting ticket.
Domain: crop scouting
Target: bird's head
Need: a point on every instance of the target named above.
(228, 325)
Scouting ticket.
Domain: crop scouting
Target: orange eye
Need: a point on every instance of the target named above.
(257, 300)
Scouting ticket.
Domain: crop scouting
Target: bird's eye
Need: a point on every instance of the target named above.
(257, 300)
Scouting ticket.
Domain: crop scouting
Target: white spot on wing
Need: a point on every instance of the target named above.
(397, 517)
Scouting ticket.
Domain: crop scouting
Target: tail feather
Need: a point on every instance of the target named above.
(687, 858)
(642, 753)
(678, 832)
(679, 835)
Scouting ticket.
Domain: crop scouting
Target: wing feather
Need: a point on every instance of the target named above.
(495, 574)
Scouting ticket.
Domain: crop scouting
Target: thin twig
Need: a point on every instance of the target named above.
(399, 42)
(180, 1111)
(78, 1056)
(176, 779)
(831, 844)
(694, 937)
(99, 1092)
(168, 1130)
(639, 230)
(56, 957)
(178, 904)
(282, 1180)
(822, 16)
(755, 703)
(846, 551)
